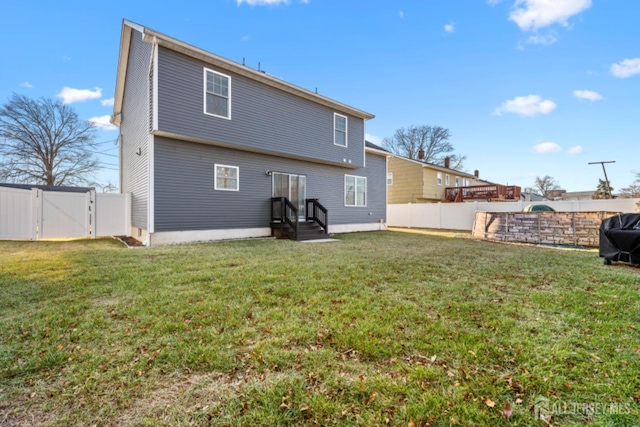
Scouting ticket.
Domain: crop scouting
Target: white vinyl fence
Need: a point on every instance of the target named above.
(36, 214)
(460, 216)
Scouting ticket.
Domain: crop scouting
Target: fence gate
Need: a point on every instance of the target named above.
(36, 214)
(64, 215)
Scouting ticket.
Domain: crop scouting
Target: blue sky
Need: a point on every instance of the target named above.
(526, 87)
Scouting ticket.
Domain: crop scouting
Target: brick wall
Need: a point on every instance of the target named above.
(553, 228)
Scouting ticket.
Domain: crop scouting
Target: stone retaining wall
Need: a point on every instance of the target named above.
(552, 228)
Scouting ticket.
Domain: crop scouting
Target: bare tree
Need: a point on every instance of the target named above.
(546, 186)
(432, 140)
(631, 192)
(109, 187)
(44, 142)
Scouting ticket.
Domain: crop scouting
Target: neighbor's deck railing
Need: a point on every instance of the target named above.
(482, 192)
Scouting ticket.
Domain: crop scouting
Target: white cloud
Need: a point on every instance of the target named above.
(245, 38)
(547, 147)
(69, 94)
(401, 14)
(102, 122)
(107, 102)
(373, 138)
(626, 68)
(449, 28)
(262, 2)
(27, 85)
(587, 94)
(494, 2)
(575, 150)
(535, 14)
(546, 40)
(530, 105)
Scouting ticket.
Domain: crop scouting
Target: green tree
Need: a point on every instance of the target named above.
(44, 142)
(603, 191)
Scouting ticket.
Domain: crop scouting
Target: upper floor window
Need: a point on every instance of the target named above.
(446, 180)
(217, 94)
(339, 130)
(439, 178)
(457, 182)
(390, 178)
(355, 190)
(465, 182)
(227, 178)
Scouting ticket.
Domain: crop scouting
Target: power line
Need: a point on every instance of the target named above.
(104, 142)
(105, 154)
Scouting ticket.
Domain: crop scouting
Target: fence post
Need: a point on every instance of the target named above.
(91, 212)
(410, 211)
(439, 215)
(539, 233)
(39, 214)
(34, 214)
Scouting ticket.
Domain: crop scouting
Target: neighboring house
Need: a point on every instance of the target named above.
(578, 195)
(415, 181)
(206, 143)
(527, 196)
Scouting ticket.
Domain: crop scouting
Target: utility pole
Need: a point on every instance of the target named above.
(605, 174)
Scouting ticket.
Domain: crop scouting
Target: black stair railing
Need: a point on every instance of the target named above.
(317, 213)
(283, 211)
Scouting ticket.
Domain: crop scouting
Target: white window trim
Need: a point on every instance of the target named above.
(366, 196)
(389, 178)
(215, 177)
(346, 130)
(456, 181)
(204, 94)
(439, 178)
(446, 179)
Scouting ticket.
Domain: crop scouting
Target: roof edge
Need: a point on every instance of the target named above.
(151, 35)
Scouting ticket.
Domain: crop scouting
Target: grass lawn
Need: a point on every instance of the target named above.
(385, 328)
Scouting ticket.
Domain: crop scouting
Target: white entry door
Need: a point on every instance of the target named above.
(293, 187)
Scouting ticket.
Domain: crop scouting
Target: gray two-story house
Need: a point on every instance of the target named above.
(212, 149)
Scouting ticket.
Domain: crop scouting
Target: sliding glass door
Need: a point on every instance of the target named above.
(293, 187)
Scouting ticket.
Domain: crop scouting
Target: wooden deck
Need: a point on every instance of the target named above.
(482, 192)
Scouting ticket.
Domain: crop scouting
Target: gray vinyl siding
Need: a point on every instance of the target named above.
(185, 198)
(263, 118)
(134, 134)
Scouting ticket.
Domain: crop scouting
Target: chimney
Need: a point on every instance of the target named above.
(476, 173)
(447, 162)
(421, 154)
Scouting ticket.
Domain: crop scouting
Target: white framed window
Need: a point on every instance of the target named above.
(465, 182)
(217, 94)
(457, 181)
(339, 130)
(439, 178)
(390, 178)
(446, 180)
(227, 178)
(355, 190)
